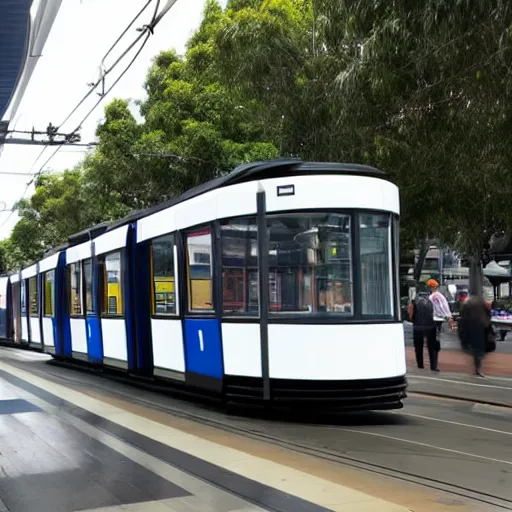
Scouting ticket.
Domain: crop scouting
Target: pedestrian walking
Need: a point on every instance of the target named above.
(421, 312)
(441, 307)
(476, 332)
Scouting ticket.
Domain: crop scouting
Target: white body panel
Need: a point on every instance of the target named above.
(78, 253)
(161, 222)
(111, 241)
(29, 272)
(311, 192)
(15, 278)
(114, 338)
(35, 330)
(319, 192)
(78, 335)
(336, 352)
(168, 352)
(241, 349)
(48, 339)
(49, 263)
(197, 210)
(24, 328)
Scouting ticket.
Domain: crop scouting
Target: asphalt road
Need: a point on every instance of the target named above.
(461, 448)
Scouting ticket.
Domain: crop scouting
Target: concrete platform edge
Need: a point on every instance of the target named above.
(254, 492)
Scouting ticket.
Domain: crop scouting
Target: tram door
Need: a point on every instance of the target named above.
(16, 311)
(92, 320)
(203, 345)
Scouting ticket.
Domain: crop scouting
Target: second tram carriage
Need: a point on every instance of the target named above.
(277, 283)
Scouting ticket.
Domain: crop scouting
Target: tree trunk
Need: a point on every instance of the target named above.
(476, 287)
(422, 256)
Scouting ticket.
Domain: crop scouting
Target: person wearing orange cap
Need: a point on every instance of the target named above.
(441, 307)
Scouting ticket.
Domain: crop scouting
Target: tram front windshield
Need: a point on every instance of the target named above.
(320, 264)
(312, 258)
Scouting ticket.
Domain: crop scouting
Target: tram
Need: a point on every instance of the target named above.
(276, 284)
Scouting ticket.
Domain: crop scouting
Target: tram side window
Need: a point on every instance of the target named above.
(310, 264)
(112, 285)
(49, 290)
(162, 265)
(75, 287)
(376, 271)
(396, 269)
(199, 270)
(89, 304)
(23, 297)
(33, 296)
(240, 266)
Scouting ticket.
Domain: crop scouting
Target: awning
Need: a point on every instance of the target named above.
(23, 33)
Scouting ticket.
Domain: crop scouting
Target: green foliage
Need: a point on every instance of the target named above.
(56, 210)
(422, 90)
(431, 92)
(195, 128)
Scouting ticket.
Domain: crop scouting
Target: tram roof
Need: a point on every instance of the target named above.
(252, 172)
(88, 234)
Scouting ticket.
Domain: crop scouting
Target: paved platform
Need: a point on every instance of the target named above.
(453, 360)
(63, 450)
(433, 455)
(496, 364)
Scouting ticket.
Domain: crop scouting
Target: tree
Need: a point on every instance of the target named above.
(429, 85)
(203, 128)
(4, 256)
(56, 210)
(194, 130)
(419, 89)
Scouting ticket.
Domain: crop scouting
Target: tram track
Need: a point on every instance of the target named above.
(223, 424)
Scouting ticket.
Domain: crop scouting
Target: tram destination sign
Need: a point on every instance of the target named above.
(286, 190)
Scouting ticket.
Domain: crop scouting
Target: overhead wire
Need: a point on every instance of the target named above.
(96, 84)
(89, 113)
(118, 79)
(106, 72)
(147, 31)
(148, 3)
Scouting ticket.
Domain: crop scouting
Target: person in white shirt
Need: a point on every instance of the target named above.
(441, 307)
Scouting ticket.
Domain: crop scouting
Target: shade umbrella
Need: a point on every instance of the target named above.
(497, 275)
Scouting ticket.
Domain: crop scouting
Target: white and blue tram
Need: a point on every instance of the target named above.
(277, 284)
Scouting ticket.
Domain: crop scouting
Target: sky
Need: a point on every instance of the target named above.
(82, 33)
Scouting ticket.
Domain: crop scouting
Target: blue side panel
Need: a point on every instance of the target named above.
(55, 331)
(63, 339)
(3, 323)
(142, 308)
(129, 301)
(9, 322)
(40, 288)
(203, 347)
(93, 320)
(94, 342)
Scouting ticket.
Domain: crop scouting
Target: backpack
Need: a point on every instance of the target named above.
(423, 313)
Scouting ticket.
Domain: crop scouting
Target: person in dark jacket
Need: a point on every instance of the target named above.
(475, 329)
(421, 313)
